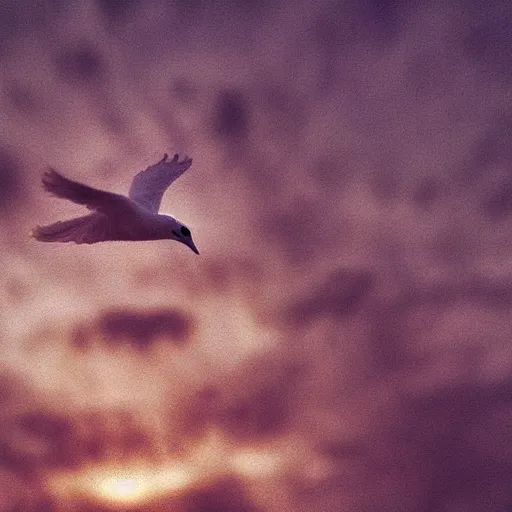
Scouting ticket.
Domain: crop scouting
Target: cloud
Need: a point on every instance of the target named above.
(138, 328)
(116, 11)
(10, 181)
(342, 293)
(231, 116)
(81, 65)
(348, 317)
(221, 496)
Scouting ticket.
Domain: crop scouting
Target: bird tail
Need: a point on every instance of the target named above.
(81, 230)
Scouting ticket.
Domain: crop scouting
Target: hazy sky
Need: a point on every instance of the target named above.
(342, 343)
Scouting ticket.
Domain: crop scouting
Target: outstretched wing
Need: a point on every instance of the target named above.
(94, 199)
(88, 229)
(148, 186)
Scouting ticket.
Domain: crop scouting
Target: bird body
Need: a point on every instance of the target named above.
(116, 217)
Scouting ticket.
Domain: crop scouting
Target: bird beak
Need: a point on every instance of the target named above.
(192, 246)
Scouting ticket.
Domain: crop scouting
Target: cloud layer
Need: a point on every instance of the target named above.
(342, 342)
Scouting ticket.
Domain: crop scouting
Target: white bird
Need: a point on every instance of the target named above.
(117, 217)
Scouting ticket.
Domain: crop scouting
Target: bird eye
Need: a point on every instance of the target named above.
(184, 231)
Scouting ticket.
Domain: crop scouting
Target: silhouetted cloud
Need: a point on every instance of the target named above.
(231, 115)
(54, 431)
(19, 463)
(221, 496)
(139, 328)
(81, 65)
(342, 293)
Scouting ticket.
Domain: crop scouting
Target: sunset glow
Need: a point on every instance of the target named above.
(124, 488)
(342, 342)
(141, 482)
(124, 485)
(255, 463)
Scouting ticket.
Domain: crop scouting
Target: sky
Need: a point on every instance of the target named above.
(342, 343)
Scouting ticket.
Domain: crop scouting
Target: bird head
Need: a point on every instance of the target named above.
(182, 234)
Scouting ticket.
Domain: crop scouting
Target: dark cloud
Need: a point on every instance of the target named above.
(186, 9)
(426, 192)
(71, 442)
(489, 43)
(493, 293)
(490, 152)
(287, 112)
(55, 432)
(388, 337)
(341, 24)
(423, 75)
(93, 448)
(398, 325)
(383, 20)
(116, 11)
(298, 230)
(81, 336)
(10, 180)
(133, 439)
(238, 273)
(184, 90)
(261, 409)
(252, 9)
(499, 202)
(231, 115)
(262, 413)
(343, 293)
(17, 462)
(142, 328)
(342, 450)
(81, 65)
(18, 290)
(385, 182)
(105, 433)
(22, 98)
(51, 428)
(451, 247)
(114, 121)
(226, 495)
(96, 436)
(196, 414)
(440, 426)
(264, 407)
(10, 388)
(333, 173)
(17, 459)
(22, 18)
(46, 505)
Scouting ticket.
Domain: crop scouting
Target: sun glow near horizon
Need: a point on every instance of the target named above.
(136, 486)
(125, 484)
(134, 483)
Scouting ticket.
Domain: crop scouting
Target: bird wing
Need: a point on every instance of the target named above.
(148, 186)
(88, 229)
(94, 199)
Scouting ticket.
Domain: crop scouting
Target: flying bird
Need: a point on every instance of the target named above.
(117, 217)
